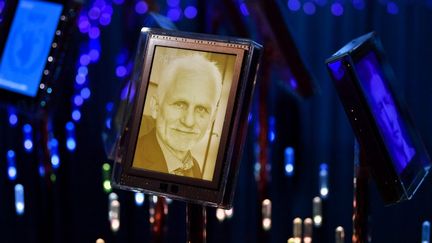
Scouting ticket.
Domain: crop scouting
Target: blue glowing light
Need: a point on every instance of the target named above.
(105, 19)
(94, 33)
(243, 9)
(85, 93)
(94, 55)
(27, 128)
(323, 180)
(425, 232)
(272, 132)
(71, 144)
(190, 12)
(41, 170)
(76, 115)
(80, 79)
(85, 60)
(118, 2)
(309, 8)
(289, 169)
(321, 2)
(392, 8)
(78, 100)
(337, 9)
(173, 3)
(108, 123)
(358, 4)
(109, 106)
(83, 70)
(13, 119)
(121, 71)
(294, 5)
(28, 144)
(84, 25)
(174, 14)
(11, 154)
(70, 126)
(49, 90)
(139, 198)
(55, 161)
(289, 161)
(141, 7)
(250, 117)
(53, 143)
(293, 83)
(19, 199)
(12, 173)
(107, 9)
(94, 13)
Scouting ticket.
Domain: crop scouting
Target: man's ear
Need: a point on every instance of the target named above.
(154, 107)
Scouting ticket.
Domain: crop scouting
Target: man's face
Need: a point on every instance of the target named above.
(186, 112)
(386, 110)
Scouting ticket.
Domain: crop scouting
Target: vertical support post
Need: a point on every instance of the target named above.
(196, 222)
(361, 197)
(158, 220)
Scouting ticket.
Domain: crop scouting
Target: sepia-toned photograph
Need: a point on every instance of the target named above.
(184, 112)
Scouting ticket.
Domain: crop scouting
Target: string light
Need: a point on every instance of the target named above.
(139, 198)
(106, 172)
(190, 12)
(70, 136)
(294, 5)
(266, 214)
(307, 230)
(425, 232)
(220, 214)
(289, 161)
(297, 230)
(12, 171)
(19, 199)
(309, 8)
(28, 137)
(337, 9)
(13, 118)
(272, 129)
(323, 180)
(229, 213)
(42, 170)
(339, 235)
(317, 211)
(53, 147)
(114, 215)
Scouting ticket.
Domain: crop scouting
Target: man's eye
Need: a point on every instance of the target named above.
(180, 105)
(201, 110)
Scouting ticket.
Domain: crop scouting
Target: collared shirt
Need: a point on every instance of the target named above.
(173, 163)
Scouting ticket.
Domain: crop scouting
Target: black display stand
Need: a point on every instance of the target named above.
(196, 221)
(361, 197)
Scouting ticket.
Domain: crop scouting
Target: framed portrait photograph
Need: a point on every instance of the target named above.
(395, 153)
(188, 116)
(33, 39)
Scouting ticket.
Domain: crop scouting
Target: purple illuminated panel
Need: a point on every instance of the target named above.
(384, 109)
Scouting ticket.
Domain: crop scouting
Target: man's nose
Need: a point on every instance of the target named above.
(188, 118)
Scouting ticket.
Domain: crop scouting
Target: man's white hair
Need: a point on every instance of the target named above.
(191, 64)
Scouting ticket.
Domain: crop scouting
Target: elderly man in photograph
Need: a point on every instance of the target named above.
(184, 108)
